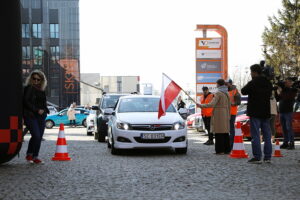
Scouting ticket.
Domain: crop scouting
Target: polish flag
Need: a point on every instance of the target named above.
(169, 92)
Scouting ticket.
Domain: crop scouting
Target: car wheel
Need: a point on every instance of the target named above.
(84, 123)
(89, 133)
(113, 150)
(181, 150)
(49, 124)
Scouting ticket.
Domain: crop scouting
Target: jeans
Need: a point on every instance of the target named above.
(287, 127)
(232, 130)
(255, 125)
(36, 127)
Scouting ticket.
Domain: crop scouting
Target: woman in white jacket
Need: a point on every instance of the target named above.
(71, 115)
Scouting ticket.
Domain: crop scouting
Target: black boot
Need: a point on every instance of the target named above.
(209, 142)
(291, 146)
(285, 145)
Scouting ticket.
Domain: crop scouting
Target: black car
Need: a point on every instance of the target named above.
(107, 103)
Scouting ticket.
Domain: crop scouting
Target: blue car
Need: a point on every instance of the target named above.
(62, 117)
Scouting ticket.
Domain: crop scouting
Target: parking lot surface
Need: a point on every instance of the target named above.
(94, 173)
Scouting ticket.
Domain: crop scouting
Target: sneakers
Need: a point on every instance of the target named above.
(37, 161)
(254, 161)
(209, 142)
(284, 146)
(29, 158)
(267, 160)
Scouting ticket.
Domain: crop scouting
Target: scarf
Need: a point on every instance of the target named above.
(223, 89)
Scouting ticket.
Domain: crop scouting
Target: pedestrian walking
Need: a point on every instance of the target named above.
(220, 117)
(286, 95)
(258, 109)
(207, 113)
(71, 115)
(235, 101)
(35, 112)
(180, 103)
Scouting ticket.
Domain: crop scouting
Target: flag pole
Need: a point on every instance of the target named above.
(183, 90)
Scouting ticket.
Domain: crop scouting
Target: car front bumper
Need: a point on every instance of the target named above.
(136, 142)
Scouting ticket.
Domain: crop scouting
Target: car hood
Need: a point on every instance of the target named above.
(148, 118)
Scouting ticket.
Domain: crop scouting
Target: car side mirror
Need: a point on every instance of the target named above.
(183, 113)
(95, 107)
(108, 111)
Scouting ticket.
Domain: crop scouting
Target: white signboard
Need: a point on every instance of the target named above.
(208, 54)
(212, 43)
(211, 87)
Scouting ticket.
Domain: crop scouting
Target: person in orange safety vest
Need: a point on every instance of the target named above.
(206, 114)
(235, 98)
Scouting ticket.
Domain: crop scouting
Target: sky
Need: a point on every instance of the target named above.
(149, 37)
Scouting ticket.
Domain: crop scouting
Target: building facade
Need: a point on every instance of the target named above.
(50, 42)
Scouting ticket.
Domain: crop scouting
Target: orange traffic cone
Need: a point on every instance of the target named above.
(238, 149)
(61, 152)
(277, 152)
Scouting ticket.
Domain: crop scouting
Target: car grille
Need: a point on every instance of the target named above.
(140, 140)
(151, 127)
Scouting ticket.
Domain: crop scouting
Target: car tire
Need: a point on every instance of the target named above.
(49, 124)
(89, 133)
(113, 150)
(181, 150)
(84, 123)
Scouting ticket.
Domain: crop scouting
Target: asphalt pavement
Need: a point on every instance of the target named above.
(94, 173)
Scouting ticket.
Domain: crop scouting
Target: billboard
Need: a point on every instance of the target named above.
(208, 77)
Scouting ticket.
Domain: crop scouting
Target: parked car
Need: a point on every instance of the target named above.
(52, 110)
(245, 125)
(195, 121)
(90, 122)
(107, 103)
(191, 109)
(135, 124)
(61, 117)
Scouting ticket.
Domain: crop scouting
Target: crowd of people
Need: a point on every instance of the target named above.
(219, 111)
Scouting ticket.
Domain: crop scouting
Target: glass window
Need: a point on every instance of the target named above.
(26, 52)
(54, 31)
(54, 51)
(38, 55)
(141, 105)
(37, 30)
(25, 30)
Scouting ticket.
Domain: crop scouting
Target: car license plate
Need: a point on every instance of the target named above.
(151, 136)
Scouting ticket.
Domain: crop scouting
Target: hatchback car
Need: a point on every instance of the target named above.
(62, 117)
(134, 124)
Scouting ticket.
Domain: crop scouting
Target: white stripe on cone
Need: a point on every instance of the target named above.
(277, 147)
(238, 132)
(61, 134)
(238, 146)
(61, 149)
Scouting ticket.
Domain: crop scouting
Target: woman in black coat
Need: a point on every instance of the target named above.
(34, 112)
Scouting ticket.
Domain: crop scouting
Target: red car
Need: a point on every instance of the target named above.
(195, 121)
(245, 125)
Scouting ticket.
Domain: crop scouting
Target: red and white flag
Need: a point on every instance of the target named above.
(169, 92)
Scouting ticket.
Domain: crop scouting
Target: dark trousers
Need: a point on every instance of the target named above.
(232, 130)
(286, 120)
(36, 128)
(206, 121)
(72, 122)
(222, 144)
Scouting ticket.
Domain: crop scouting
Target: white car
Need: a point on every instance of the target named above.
(134, 124)
(90, 122)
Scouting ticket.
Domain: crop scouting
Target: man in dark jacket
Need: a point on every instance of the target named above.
(286, 96)
(259, 91)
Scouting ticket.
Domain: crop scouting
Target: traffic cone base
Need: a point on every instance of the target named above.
(277, 152)
(61, 153)
(238, 149)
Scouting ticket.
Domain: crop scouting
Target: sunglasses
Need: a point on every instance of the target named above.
(36, 79)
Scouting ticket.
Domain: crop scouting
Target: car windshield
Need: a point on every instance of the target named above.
(110, 101)
(141, 105)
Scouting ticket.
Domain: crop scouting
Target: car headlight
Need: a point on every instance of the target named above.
(179, 125)
(122, 125)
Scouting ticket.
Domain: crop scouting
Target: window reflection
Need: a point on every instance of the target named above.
(25, 30)
(54, 31)
(37, 55)
(37, 30)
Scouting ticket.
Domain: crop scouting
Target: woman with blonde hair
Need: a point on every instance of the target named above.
(34, 112)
